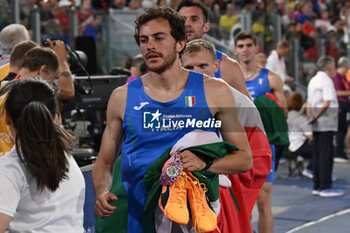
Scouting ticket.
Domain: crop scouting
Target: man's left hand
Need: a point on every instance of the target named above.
(192, 162)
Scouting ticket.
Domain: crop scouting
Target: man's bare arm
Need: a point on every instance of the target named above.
(232, 73)
(276, 86)
(111, 140)
(322, 109)
(308, 110)
(343, 93)
(65, 80)
(4, 222)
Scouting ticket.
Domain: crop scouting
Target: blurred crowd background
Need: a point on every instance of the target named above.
(103, 29)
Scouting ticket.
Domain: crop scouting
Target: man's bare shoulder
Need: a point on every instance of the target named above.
(117, 101)
(230, 69)
(273, 76)
(226, 60)
(120, 93)
(211, 82)
(217, 91)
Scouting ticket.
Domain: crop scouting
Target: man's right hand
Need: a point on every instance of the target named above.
(102, 207)
(60, 48)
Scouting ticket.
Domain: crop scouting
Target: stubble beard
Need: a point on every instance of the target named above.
(247, 62)
(168, 62)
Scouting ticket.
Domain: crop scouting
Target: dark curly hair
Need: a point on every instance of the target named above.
(176, 21)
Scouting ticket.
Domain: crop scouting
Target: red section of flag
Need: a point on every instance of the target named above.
(245, 186)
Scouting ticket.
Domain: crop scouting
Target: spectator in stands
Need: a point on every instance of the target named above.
(331, 47)
(290, 32)
(322, 106)
(342, 87)
(85, 11)
(287, 18)
(338, 27)
(94, 26)
(258, 26)
(308, 44)
(214, 20)
(276, 63)
(138, 68)
(135, 5)
(306, 10)
(227, 21)
(117, 4)
(62, 15)
(323, 23)
(100, 4)
(308, 27)
(259, 10)
(85, 15)
(299, 131)
(38, 173)
(309, 30)
(49, 26)
(344, 15)
(260, 32)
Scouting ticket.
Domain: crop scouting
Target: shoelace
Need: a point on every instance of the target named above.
(202, 205)
(201, 187)
(199, 190)
(181, 196)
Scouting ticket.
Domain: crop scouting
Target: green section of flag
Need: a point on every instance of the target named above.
(118, 221)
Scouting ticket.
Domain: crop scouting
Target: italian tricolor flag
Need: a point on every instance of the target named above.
(190, 101)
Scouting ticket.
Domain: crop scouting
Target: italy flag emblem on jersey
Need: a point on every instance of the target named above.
(190, 101)
(261, 81)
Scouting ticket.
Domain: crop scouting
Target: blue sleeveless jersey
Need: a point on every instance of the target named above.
(218, 57)
(151, 127)
(260, 85)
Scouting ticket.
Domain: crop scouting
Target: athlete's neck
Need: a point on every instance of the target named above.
(250, 69)
(167, 85)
